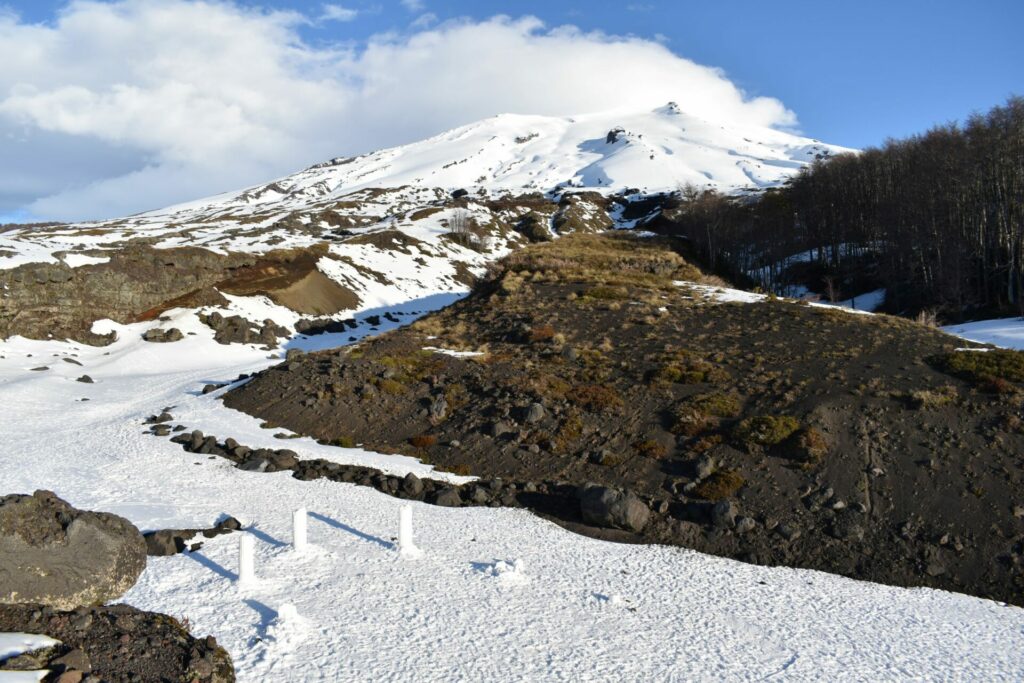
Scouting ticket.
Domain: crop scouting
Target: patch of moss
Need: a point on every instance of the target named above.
(931, 398)
(540, 334)
(462, 470)
(595, 398)
(717, 404)
(719, 485)
(982, 366)
(688, 421)
(423, 440)
(682, 367)
(808, 445)
(765, 430)
(568, 432)
(607, 293)
(390, 386)
(649, 448)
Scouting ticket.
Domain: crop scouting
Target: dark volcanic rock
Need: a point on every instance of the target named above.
(448, 498)
(172, 541)
(613, 508)
(161, 336)
(54, 554)
(237, 330)
(115, 644)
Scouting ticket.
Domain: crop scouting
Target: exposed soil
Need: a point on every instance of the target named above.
(115, 644)
(842, 442)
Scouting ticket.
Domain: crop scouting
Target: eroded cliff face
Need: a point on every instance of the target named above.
(139, 282)
(395, 244)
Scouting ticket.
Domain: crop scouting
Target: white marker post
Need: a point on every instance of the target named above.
(299, 529)
(405, 544)
(246, 560)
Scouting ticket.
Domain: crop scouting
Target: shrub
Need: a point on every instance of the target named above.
(719, 485)
(684, 368)
(650, 448)
(568, 432)
(765, 430)
(423, 440)
(706, 443)
(688, 421)
(983, 366)
(390, 386)
(595, 398)
(930, 398)
(717, 404)
(462, 470)
(541, 333)
(808, 445)
(344, 442)
(607, 293)
(694, 414)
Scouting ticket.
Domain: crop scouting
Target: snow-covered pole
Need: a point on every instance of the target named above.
(405, 544)
(299, 529)
(246, 559)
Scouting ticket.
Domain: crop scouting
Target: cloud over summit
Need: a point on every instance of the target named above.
(122, 106)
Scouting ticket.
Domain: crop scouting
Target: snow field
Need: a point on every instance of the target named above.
(498, 594)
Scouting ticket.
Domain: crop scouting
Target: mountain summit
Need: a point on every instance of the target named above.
(651, 151)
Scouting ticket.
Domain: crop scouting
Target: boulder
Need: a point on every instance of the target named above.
(723, 514)
(411, 485)
(535, 413)
(613, 508)
(448, 498)
(161, 336)
(56, 555)
(438, 408)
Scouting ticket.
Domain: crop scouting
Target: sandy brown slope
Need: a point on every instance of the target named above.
(845, 443)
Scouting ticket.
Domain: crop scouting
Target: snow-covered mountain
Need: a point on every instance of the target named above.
(652, 151)
(501, 182)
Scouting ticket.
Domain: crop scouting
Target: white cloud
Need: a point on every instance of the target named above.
(176, 99)
(414, 5)
(424, 20)
(338, 13)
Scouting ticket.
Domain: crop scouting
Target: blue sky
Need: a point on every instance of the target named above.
(853, 73)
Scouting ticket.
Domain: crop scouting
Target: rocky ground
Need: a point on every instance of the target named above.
(761, 429)
(57, 563)
(115, 644)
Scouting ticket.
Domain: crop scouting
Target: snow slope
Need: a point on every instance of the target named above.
(571, 608)
(1005, 332)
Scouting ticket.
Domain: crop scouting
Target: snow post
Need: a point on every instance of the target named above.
(299, 529)
(246, 559)
(405, 545)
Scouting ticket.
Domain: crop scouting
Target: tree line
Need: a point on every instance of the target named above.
(936, 219)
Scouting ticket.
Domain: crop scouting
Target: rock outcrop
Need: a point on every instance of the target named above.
(54, 554)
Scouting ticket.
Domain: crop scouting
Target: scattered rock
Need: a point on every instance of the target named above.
(745, 525)
(704, 467)
(535, 413)
(723, 514)
(161, 336)
(167, 542)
